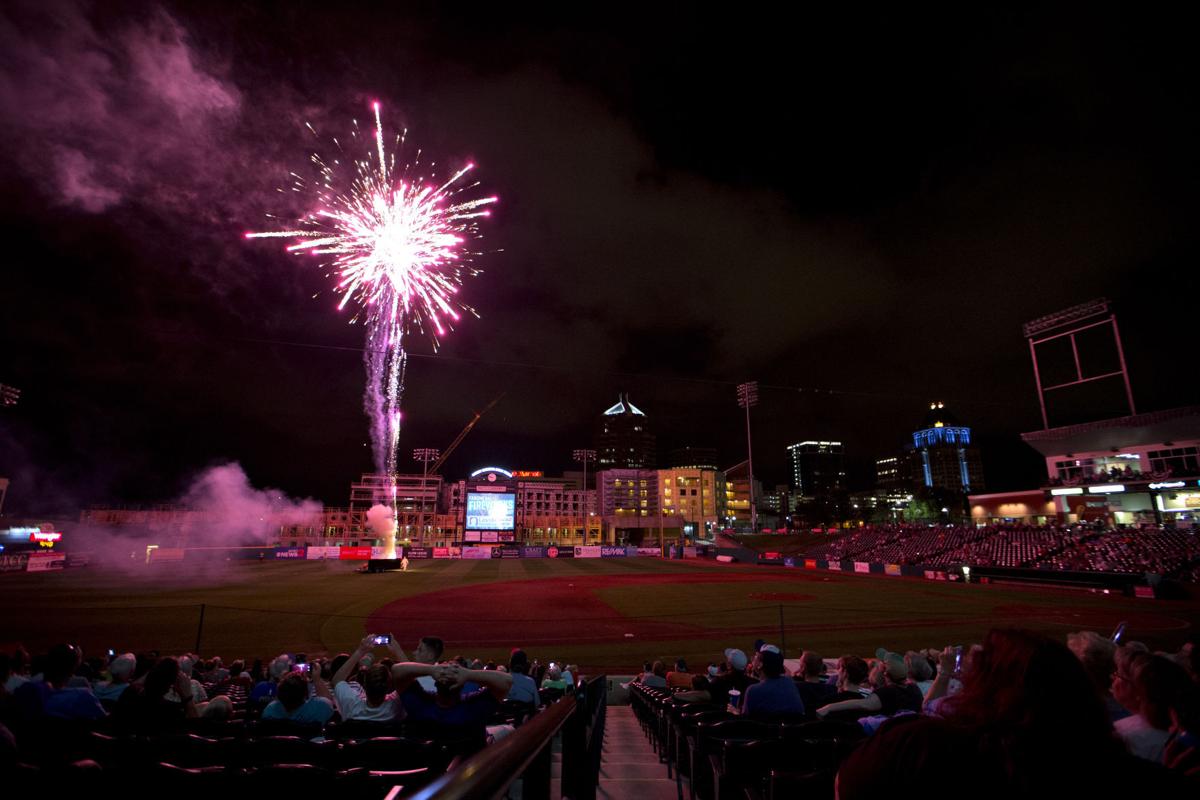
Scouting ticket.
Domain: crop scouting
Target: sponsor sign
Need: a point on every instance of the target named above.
(168, 554)
(588, 551)
(835, 566)
(649, 551)
(1143, 591)
(862, 566)
(810, 563)
(45, 562)
(789, 562)
(489, 536)
(14, 563)
(318, 553)
(506, 551)
(609, 551)
(378, 551)
(354, 554)
(39, 536)
(532, 551)
(891, 569)
(470, 536)
(417, 552)
(725, 559)
(930, 575)
(441, 552)
(289, 552)
(477, 552)
(560, 552)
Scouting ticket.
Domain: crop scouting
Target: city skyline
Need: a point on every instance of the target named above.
(858, 212)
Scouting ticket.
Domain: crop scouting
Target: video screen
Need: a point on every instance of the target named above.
(488, 511)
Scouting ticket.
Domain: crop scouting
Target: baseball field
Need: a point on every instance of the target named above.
(604, 614)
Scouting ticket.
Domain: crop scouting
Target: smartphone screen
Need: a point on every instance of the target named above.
(1118, 633)
(303, 667)
(958, 659)
(383, 638)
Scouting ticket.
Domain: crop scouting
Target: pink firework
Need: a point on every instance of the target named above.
(395, 245)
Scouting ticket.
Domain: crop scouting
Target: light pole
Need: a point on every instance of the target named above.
(583, 457)
(424, 455)
(747, 396)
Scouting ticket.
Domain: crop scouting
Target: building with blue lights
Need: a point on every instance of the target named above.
(624, 439)
(942, 455)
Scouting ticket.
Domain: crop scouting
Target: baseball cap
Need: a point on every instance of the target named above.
(769, 654)
(894, 664)
(736, 658)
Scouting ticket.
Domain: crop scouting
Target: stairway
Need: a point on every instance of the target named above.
(629, 767)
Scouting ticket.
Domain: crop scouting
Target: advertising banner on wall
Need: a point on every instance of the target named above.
(506, 551)
(378, 551)
(862, 566)
(477, 552)
(289, 552)
(610, 551)
(168, 554)
(560, 552)
(317, 553)
(836, 566)
(810, 563)
(45, 562)
(891, 569)
(417, 552)
(649, 551)
(533, 551)
(588, 551)
(354, 554)
(14, 563)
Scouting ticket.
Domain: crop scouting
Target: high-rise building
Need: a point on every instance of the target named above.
(624, 439)
(817, 468)
(943, 456)
(892, 473)
(693, 458)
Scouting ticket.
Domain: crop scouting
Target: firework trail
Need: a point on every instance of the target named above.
(392, 240)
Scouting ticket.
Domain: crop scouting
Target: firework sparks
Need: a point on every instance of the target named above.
(393, 242)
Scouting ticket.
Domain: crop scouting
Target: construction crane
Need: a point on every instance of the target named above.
(462, 435)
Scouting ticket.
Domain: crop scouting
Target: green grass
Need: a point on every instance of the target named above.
(255, 609)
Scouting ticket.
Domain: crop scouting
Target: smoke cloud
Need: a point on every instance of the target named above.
(383, 525)
(219, 510)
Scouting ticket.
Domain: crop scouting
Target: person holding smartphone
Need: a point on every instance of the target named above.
(374, 699)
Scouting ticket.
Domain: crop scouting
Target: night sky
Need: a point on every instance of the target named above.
(856, 208)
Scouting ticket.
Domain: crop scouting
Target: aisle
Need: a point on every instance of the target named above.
(629, 767)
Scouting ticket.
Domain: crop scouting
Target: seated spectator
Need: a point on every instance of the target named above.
(372, 700)
(1098, 656)
(144, 707)
(814, 689)
(120, 671)
(292, 701)
(1156, 688)
(733, 676)
(776, 694)
(852, 675)
(264, 690)
(554, 679)
(657, 679)
(893, 694)
(50, 697)
(523, 690)
(679, 678)
(429, 651)
(187, 664)
(570, 674)
(18, 670)
(1027, 724)
(451, 712)
(920, 671)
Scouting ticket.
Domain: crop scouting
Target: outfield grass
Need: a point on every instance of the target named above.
(604, 614)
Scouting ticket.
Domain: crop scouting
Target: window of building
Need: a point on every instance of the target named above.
(1176, 460)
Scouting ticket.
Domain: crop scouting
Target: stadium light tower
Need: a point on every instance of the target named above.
(747, 397)
(425, 455)
(583, 457)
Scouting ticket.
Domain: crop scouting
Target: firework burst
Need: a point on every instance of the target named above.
(394, 243)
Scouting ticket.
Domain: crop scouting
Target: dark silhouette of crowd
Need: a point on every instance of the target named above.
(1019, 715)
(356, 722)
(1164, 551)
